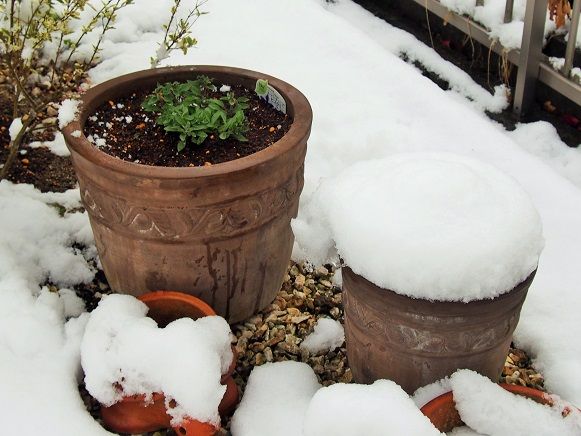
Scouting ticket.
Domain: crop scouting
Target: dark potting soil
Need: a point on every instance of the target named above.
(131, 134)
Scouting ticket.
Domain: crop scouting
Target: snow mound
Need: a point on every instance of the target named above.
(489, 409)
(425, 394)
(279, 412)
(123, 348)
(436, 226)
(380, 409)
(56, 146)
(68, 111)
(327, 335)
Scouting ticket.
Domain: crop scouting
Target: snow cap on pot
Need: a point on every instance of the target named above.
(440, 251)
(435, 226)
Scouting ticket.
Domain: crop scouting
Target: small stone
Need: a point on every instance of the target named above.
(52, 110)
(294, 271)
(49, 120)
(321, 271)
(271, 130)
(293, 311)
(268, 354)
(299, 281)
(36, 91)
(335, 312)
(299, 319)
(326, 283)
(25, 162)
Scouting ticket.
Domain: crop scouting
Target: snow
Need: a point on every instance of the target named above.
(122, 347)
(68, 111)
(542, 140)
(489, 409)
(405, 45)
(56, 146)
(39, 344)
(275, 400)
(380, 409)
(15, 128)
(367, 103)
(435, 226)
(425, 394)
(327, 335)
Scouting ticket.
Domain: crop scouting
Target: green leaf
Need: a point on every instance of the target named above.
(261, 87)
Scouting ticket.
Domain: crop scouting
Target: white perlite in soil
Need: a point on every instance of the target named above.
(184, 360)
(435, 226)
(489, 409)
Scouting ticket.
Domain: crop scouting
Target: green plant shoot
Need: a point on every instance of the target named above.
(187, 109)
(261, 87)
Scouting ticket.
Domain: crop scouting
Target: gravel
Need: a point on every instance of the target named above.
(275, 334)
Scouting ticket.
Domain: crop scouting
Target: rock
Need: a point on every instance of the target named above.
(36, 91)
(49, 120)
(299, 319)
(52, 110)
(299, 281)
(268, 354)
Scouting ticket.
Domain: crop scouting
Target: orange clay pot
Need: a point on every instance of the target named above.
(133, 414)
(443, 414)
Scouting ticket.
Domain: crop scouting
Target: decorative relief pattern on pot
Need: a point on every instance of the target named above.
(218, 220)
(381, 329)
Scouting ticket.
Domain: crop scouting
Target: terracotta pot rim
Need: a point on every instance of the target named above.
(189, 299)
(448, 398)
(505, 295)
(300, 127)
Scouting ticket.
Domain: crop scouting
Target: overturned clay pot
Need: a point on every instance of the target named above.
(135, 414)
(443, 414)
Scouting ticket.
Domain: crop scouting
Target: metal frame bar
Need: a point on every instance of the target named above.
(537, 68)
(508, 8)
(570, 52)
(530, 55)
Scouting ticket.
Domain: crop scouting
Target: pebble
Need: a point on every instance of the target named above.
(52, 110)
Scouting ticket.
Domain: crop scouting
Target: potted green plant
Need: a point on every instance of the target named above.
(439, 252)
(138, 414)
(218, 231)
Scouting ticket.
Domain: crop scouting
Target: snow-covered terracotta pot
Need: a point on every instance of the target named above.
(134, 414)
(443, 414)
(221, 233)
(415, 342)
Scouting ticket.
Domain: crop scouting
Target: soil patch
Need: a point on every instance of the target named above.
(486, 68)
(123, 129)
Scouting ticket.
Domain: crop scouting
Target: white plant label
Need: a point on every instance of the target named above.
(276, 100)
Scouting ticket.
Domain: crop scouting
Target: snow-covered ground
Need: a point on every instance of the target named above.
(367, 104)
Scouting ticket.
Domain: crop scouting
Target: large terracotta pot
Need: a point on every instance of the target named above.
(133, 414)
(443, 414)
(221, 233)
(415, 342)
